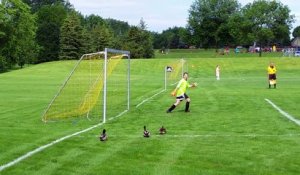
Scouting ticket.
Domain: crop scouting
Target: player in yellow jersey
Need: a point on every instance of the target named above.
(272, 75)
(180, 93)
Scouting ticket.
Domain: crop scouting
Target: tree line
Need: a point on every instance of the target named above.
(226, 23)
(36, 31)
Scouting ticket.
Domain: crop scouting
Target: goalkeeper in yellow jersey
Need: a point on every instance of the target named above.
(180, 93)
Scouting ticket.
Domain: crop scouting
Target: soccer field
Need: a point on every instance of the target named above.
(231, 129)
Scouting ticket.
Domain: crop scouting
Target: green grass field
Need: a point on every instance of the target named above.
(231, 129)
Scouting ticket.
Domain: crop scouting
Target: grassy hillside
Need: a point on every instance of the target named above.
(231, 129)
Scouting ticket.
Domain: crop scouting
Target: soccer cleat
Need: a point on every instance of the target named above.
(169, 111)
(187, 111)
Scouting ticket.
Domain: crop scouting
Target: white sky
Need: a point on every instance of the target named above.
(159, 15)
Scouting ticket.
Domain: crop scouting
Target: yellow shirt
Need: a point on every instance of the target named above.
(182, 86)
(271, 70)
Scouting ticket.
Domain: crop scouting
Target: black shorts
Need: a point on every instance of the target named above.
(272, 76)
(182, 97)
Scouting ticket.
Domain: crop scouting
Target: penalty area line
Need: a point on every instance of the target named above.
(41, 148)
(287, 115)
(150, 98)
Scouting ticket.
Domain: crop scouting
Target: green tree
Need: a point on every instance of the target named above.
(92, 21)
(18, 34)
(3, 64)
(4, 36)
(71, 38)
(88, 46)
(296, 32)
(4, 26)
(37, 4)
(101, 38)
(142, 25)
(163, 40)
(98, 34)
(50, 20)
(268, 22)
(207, 22)
(139, 43)
(172, 38)
(119, 28)
(239, 30)
(147, 44)
(133, 42)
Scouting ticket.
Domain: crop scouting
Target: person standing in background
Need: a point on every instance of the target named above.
(218, 72)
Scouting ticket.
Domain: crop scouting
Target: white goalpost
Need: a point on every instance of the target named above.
(98, 81)
(124, 53)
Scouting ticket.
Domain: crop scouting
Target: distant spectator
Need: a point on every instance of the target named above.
(274, 49)
(221, 51)
(163, 50)
(227, 50)
(218, 72)
(237, 50)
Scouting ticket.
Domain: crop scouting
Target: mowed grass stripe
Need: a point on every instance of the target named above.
(77, 154)
(94, 156)
(285, 114)
(225, 156)
(65, 136)
(241, 109)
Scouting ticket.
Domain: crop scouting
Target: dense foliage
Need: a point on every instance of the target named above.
(172, 38)
(219, 22)
(208, 22)
(267, 22)
(50, 19)
(17, 34)
(296, 32)
(35, 31)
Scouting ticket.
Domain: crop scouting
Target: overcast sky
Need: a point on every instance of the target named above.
(159, 15)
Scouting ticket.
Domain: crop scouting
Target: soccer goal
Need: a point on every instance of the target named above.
(98, 87)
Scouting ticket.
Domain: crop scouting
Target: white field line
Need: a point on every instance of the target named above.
(150, 98)
(174, 83)
(288, 116)
(28, 154)
(203, 135)
(118, 115)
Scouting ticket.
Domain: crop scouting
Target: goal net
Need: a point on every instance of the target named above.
(151, 78)
(99, 81)
(174, 71)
